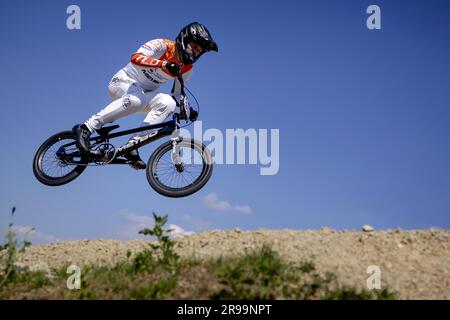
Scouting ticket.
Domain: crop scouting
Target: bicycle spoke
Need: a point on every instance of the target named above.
(168, 175)
(54, 167)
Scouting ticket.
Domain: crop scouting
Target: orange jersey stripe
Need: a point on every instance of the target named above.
(146, 61)
(170, 56)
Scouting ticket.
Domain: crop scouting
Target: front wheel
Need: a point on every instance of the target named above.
(181, 171)
(57, 161)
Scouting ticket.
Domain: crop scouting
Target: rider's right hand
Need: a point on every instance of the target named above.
(173, 68)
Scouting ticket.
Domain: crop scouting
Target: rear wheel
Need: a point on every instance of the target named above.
(170, 179)
(57, 161)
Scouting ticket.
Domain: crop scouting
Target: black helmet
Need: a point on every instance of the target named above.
(198, 34)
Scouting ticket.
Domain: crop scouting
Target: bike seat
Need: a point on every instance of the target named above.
(104, 131)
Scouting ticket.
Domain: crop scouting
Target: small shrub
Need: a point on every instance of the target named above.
(160, 289)
(353, 294)
(34, 279)
(164, 245)
(254, 276)
(143, 262)
(9, 270)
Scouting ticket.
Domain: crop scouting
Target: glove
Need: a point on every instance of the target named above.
(192, 114)
(173, 68)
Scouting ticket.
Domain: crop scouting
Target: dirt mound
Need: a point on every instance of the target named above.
(415, 264)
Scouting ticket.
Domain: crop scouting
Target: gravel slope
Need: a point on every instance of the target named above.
(414, 263)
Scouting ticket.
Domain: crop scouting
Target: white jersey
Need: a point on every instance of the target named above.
(145, 65)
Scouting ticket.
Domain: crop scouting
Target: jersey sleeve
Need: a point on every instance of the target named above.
(176, 88)
(149, 53)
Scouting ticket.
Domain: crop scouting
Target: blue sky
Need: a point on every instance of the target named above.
(363, 114)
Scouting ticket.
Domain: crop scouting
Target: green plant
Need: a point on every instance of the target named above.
(33, 279)
(160, 257)
(159, 289)
(346, 293)
(9, 253)
(164, 244)
(144, 261)
(257, 275)
(264, 275)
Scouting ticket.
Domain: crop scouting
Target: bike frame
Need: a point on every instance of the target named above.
(166, 129)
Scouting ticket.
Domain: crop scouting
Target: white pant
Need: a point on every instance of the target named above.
(128, 98)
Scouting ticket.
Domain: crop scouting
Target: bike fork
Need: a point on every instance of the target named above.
(176, 139)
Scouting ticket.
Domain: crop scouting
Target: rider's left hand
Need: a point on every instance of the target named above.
(173, 68)
(192, 114)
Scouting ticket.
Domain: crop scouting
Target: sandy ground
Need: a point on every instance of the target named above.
(415, 263)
